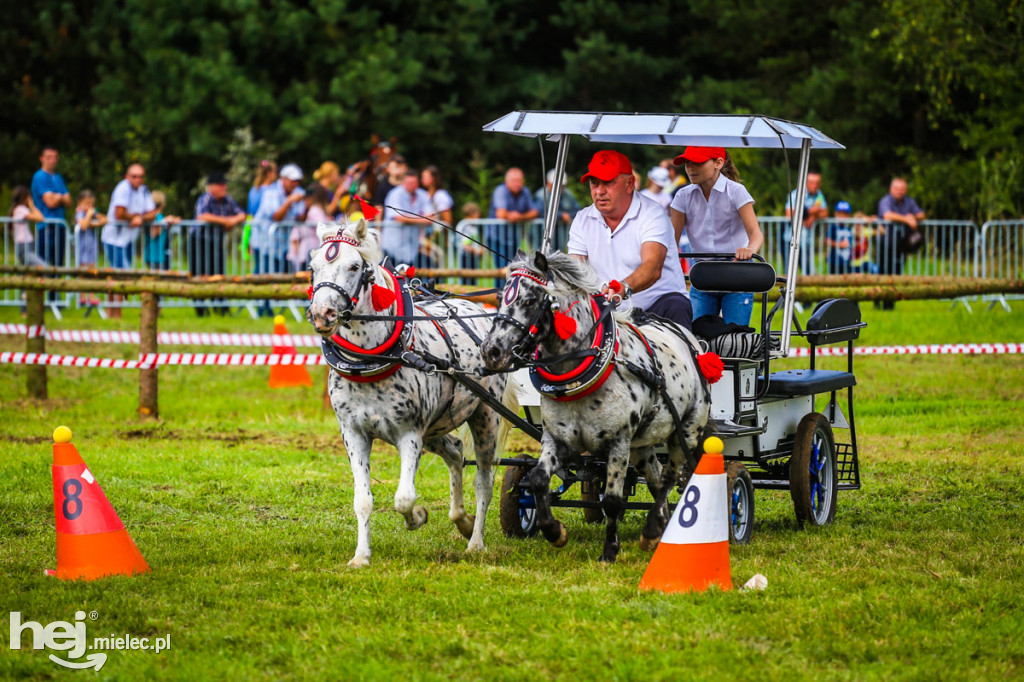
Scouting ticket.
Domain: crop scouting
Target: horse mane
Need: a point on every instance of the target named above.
(567, 272)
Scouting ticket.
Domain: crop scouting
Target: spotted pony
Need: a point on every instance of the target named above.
(384, 386)
(600, 384)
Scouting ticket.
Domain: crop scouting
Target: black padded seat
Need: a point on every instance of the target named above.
(732, 276)
(809, 381)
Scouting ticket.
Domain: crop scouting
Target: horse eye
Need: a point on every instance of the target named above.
(353, 268)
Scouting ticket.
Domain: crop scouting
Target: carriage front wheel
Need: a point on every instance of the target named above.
(741, 503)
(517, 513)
(813, 475)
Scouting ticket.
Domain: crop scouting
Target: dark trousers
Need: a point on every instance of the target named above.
(675, 307)
(205, 252)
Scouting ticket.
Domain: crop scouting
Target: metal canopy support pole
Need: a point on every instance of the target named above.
(794, 245)
(555, 198)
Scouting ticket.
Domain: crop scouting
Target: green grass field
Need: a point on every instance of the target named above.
(240, 500)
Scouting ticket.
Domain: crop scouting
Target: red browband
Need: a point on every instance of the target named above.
(522, 272)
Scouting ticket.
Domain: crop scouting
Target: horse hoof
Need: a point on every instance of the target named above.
(465, 525)
(649, 544)
(474, 547)
(359, 562)
(563, 537)
(419, 517)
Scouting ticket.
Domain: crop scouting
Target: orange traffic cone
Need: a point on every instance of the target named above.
(286, 374)
(91, 540)
(694, 550)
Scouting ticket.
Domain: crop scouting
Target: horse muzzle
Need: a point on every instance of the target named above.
(495, 358)
(323, 318)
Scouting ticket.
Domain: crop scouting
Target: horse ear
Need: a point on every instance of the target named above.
(325, 230)
(540, 262)
(360, 230)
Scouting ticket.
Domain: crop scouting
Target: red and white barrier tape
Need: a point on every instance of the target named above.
(165, 338)
(931, 349)
(152, 360)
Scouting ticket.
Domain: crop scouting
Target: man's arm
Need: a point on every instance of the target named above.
(652, 258)
(282, 210)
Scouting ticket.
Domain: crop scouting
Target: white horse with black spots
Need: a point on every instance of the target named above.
(605, 408)
(375, 397)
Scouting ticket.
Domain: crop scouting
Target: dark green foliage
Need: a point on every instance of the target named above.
(926, 89)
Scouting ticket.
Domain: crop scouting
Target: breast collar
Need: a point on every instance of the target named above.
(366, 365)
(592, 371)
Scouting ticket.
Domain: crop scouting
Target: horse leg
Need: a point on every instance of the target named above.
(658, 517)
(358, 448)
(647, 462)
(450, 449)
(410, 447)
(484, 425)
(551, 453)
(616, 453)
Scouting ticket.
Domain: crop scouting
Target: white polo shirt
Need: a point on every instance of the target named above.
(714, 224)
(616, 255)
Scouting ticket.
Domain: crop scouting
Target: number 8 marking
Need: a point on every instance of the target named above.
(691, 505)
(70, 497)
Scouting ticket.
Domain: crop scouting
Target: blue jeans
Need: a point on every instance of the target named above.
(119, 257)
(735, 308)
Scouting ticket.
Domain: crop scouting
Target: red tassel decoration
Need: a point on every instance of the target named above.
(711, 366)
(410, 272)
(565, 326)
(309, 292)
(381, 297)
(369, 212)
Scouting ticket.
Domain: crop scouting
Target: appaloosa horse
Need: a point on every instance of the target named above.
(386, 385)
(605, 381)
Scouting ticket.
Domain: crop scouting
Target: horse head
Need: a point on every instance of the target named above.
(539, 289)
(342, 272)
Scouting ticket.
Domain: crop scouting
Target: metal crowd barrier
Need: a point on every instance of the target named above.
(1001, 247)
(50, 245)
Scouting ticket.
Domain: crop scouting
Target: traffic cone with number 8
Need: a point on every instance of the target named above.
(694, 550)
(91, 540)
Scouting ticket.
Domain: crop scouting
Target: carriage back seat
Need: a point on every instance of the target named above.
(732, 276)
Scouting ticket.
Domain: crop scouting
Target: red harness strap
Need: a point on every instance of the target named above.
(392, 340)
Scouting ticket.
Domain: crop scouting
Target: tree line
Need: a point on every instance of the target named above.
(928, 89)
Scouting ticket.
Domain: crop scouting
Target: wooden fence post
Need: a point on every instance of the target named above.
(35, 317)
(148, 315)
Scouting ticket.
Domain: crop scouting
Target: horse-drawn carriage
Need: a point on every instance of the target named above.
(774, 436)
(643, 398)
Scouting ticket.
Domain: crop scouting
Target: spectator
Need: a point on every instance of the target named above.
(328, 176)
(717, 211)
(470, 252)
(220, 213)
(904, 214)
(156, 249)
(568, 207)
(303, 237)
(50, 197)
(863, 233)
(512, 202)
(675, 178)
(409, 206)
(282, 201)
(839, 241)
(815, 208)
(23, 209)
(658, 181)
(131, 205)
(86, 220)
(431, 181)
(396, 170)
(627, 237)
(266, 175)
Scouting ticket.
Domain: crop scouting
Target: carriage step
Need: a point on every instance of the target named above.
(725, 428)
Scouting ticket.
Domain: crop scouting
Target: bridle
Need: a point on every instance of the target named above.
(525, 347)
(366, 279)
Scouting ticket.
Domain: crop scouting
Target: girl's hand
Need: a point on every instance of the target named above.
(744, 253)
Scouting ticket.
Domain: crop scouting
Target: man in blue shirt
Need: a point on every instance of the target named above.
(401, 238)
(51, 197)
(221, 213)
(815, 208)
(512, 202)
(904, 214)
(281, 202)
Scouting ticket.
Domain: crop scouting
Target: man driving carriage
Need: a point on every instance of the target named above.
(627, 237)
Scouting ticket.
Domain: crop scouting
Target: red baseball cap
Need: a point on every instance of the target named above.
(699, 155)
(607, 165)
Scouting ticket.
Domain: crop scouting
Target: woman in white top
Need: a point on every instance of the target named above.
(717, 212)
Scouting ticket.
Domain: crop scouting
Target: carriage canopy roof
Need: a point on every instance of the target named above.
(680, 130)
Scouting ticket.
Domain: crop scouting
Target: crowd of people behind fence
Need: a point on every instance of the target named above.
(416, 200)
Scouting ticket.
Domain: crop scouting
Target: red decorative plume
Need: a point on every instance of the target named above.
(381, 297)
(711, 366)
(369, 212)
(565, 326)
(309, 292)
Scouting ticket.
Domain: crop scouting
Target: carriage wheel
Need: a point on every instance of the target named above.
(517, 521)
(813, 474)
(590, 491)
(741, 504)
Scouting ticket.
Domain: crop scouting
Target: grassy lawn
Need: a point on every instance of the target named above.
(240, 500)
